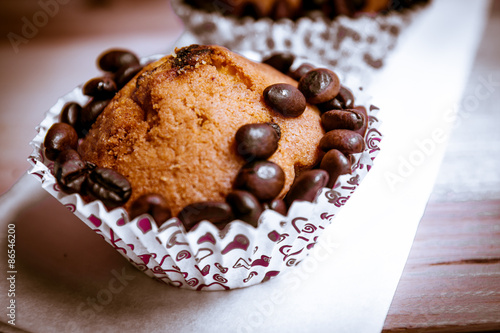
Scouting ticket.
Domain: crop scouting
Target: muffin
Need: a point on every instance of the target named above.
(204, 169)
(184, 148)
(355, 38)
(294, 9)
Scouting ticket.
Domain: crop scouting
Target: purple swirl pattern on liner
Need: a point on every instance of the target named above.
(219, 278)
(184, 254)
(306, 227)
(311, 245)
(115, 242)
(211, 286)
(146, 257)
(241, 256)
(144, 225)
(326, 216)
(239, 242)
(221, 268)
(242, 263)
(373, 138)
(204, 271)
(208, 237)
(163, 259)
(263, 261)
(276, 236)
(193, 282)
(173, 241)
(120, 222)
(203, 253)
(270, 275)
(95, 220)
(71, 207)
(250, 275)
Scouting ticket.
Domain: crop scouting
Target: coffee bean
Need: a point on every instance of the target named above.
(333, 104)
(280, 61)
(346, 98)
(114, 59)
(285, 99)
(348, 142)
(70, 113)
(319, 85)
(90, 112)
(361, 111)
(264, 179)
(152, 204)
(277, 205)
(276, 128)
(70, 171)
(307, 186)
(219, 213)
(59, 137)
(125, 74)
(245, 206)
(100, 88)
(109, 186)
(301, 71)
(256, 141)
(341, 119)
(336, 164)
(343, 100)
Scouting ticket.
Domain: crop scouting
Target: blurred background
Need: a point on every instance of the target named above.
(48, 47)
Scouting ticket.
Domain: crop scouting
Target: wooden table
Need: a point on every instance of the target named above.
(451, 282)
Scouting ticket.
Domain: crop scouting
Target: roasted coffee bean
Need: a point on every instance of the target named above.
(346, 98)
(338, 119)
(319, 85)
(113, 60)
(70, 113)
(277, 205)
(361, 111)
(90, 112)
(343, 100)
(336, 164)
(285, 99)
(256, 141)
(70, 171)
(277, 128)
(59, 137)
(245, 206)
(109, 186)
(301, 71)
(307, 186)
(100, 88)
(152, 204)
(264, 179)
(348, 142)
(280, 61)
(125, 74)
(219, 213)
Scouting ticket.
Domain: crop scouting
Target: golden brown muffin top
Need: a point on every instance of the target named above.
(171, 129)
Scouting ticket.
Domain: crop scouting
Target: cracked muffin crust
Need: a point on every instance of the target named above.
(171, 129)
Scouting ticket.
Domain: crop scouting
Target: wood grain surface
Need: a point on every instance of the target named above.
(451, 282)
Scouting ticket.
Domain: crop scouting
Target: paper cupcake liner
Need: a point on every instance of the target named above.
(354, 46)
(206, 258)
